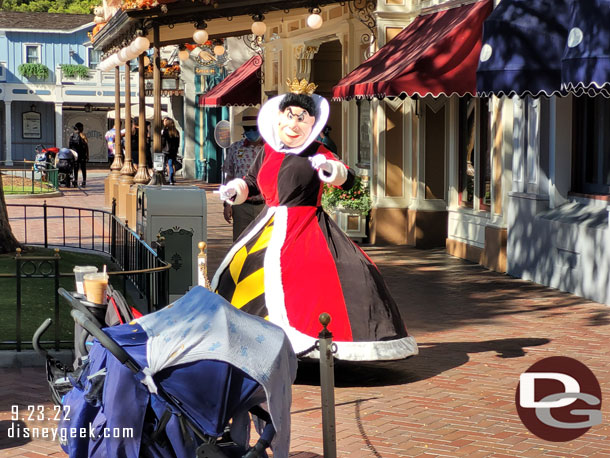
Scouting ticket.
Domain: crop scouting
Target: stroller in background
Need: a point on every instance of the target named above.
(45, 158)
(66, 162)
(182, 382)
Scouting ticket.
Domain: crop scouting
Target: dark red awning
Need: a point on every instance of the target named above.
(242, 87)
(436, 54)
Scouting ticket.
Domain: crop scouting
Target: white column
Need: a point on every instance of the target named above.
(8, 132)
(59, 124)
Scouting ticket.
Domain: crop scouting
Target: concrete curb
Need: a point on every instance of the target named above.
(29, 358)
(34, 196)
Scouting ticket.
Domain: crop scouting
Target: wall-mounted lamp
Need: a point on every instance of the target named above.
(314, 20)
(32, 107)
(88, 108)
(258, 26)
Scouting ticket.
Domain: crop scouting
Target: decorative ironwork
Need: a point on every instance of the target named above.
(363, 10)
(255, 43)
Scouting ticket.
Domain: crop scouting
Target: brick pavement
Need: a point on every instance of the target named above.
(477, 331)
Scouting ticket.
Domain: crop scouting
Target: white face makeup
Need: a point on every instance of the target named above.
(294, 126)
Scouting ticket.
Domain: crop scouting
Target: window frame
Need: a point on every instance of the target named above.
(90, 51)
(25, 52)
(585, 156)
(481, 152)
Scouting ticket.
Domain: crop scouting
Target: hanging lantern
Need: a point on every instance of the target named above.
(219, 50)
(200, 36)
(314, 21)
(259, 28)
(141, 44)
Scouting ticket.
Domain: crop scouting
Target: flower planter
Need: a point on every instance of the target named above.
(350, 222)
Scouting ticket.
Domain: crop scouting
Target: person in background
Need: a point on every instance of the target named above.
(110, 142)
(79, 143)
(240, 155)
(170, 143)
(325, 139)
(149, 138)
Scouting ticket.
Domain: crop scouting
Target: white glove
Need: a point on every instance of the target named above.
(227, 193)
(319, 162)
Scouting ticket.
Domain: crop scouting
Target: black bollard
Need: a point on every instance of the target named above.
(327, 386)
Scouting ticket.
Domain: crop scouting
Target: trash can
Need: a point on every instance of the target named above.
(179, 214)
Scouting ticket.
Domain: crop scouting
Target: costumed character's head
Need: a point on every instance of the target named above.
(248, 122)
(290, 122)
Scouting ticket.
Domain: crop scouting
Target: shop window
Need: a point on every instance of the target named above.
(32, 54)
(591, 145)
(365, 130)
(94, 56)
(474, 153)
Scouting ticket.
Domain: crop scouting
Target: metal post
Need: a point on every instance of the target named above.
(113, 230)
(163, 291)
(202, 264)
(125, 260)
(56, 275)
(44, 219)
(18, 311)
(327, 387)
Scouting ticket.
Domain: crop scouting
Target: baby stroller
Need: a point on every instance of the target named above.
(65, 167)
(45, 157)
(182, 382)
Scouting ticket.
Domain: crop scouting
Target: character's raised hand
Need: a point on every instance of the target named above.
(227, 193)
(319, 162)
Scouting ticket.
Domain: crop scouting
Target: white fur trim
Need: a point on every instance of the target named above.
(275, 301)
(268, 119)
(338, 174)
(241, 187)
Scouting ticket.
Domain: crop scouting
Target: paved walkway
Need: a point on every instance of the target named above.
(477, 332)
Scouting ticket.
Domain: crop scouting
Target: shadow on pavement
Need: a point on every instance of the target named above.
(11, 434)
(434, 358)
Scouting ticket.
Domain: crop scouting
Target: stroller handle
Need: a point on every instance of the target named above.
(106, 341)
(76, 304)
(38, 334)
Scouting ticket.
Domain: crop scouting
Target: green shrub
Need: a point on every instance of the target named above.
(34, 71)
(357, 198)
(73, 71)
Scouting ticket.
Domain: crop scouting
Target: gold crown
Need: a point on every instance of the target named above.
(301, 87)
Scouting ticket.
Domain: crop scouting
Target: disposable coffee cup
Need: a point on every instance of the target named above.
(96, 285)
(79, 274)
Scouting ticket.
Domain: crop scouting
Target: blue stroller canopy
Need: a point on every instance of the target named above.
(200, 358)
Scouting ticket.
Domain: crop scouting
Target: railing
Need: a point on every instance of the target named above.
(101, 231)
(28, 177)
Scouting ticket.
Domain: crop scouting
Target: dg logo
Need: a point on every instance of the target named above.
(558, 399)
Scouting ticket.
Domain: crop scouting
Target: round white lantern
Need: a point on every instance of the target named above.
(200, 36)
(259, 28)
(314, 21)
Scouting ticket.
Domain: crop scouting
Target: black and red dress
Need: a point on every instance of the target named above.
(294, 263)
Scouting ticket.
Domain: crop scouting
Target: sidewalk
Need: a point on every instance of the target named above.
(477, 332)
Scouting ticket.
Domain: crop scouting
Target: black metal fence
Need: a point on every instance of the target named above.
(28, 177)
(92, 230)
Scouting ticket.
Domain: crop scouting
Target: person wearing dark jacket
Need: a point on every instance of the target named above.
(80, 144)
(170, 143)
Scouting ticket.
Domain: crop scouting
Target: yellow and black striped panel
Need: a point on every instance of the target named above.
(243, 281)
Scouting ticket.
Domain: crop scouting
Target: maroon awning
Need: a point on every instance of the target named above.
(242, 87)
(436, 54)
